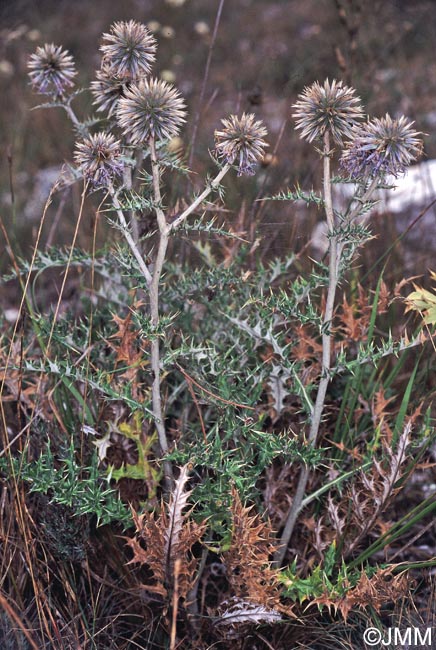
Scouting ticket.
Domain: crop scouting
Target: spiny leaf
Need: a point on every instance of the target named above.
(168, 539)
(178, 502)
(247, 559)
(236, 613)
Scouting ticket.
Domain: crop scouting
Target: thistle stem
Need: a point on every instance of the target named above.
(153, 287)
(154, 311)
(128, 185)
(131, 242)
(153, 282)
(316, 416)
(194, 205)
(81, 128)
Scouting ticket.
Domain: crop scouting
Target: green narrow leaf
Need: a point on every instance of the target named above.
(69, 385)
(399, 422)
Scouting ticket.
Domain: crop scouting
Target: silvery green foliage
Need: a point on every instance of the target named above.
(71, 484)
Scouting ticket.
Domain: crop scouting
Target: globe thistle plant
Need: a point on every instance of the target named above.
(382, 146)
(148, 112)
(129, 49)
(241, 142)
(99, 158)
(151, 108)
(107, 90)
(51, 70)
(331, 108)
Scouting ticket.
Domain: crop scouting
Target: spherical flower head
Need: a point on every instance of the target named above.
(150, 108)
(107, 90)
(129, 49)
(331, 108)
(382, 146)
(51, 69)
(241, 142)
(99, 158)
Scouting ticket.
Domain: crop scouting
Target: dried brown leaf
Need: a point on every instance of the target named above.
(247, 561)
(380, 589)
(167, 538)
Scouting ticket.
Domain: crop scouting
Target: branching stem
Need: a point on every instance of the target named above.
(194, 205)
(80, 127)
(129, 239)
(153, 282)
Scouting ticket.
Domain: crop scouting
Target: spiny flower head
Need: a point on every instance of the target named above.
(51, 69)
(129, 49)
(107, 90)
(150, 107)
(99, 158)
(382, 146)
(332, 107)
(241, 142)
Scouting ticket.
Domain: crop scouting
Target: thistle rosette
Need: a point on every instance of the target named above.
(241, 142)
(99, 159)
(151, 108)
(51, 69)
(382, 146)
(128, 50)
(332, 108)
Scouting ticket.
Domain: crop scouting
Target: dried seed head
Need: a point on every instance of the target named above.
(151, 107)
(382, 146)
(99, 158)
(241, 142)
(107, 90)
(51, 69)
(332, 107)
(128, 49)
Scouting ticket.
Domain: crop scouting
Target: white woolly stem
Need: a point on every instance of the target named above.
(154, 310)
(326, 357)
(199, 200)
(128, 237)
